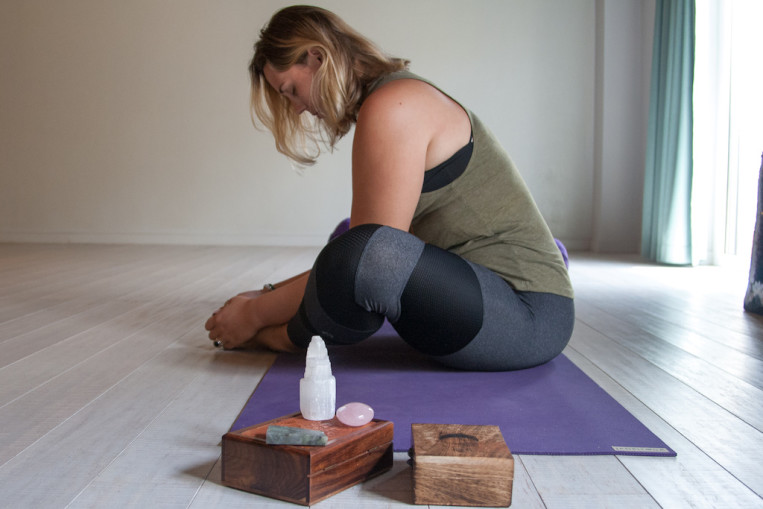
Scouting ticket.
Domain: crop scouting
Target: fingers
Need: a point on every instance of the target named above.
(211, 325)
(212, 320)
(214, 335)
(216, 339)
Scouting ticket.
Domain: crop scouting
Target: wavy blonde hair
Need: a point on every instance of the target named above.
(350, 63)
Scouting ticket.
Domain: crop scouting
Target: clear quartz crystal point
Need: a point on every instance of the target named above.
(317, 390)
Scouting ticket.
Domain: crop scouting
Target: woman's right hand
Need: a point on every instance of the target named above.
(235, 323)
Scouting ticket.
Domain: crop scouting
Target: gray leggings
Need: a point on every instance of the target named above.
(461, 313)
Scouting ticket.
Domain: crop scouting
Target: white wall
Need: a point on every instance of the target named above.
(128, 121)
(623, 68)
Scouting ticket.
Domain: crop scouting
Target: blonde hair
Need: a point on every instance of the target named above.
(350, 63)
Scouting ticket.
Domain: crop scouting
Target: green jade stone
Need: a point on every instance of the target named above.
(285, 435)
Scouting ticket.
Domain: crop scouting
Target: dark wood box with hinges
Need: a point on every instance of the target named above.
(306, 474)
(461, 465)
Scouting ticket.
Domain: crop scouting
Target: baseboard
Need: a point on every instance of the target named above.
(212, 239)
(205, 239)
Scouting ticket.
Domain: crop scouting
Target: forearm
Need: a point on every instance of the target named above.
(287, 281)
(279, 305)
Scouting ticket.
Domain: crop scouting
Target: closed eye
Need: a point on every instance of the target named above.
(287, 88)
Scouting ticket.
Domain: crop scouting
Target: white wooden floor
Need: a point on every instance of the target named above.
(111, 395)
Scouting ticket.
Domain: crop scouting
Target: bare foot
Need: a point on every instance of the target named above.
(276, 338)
(235, 323)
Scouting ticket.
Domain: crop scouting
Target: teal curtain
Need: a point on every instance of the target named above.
(666, 221)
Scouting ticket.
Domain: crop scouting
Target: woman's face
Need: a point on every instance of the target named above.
(295, 82)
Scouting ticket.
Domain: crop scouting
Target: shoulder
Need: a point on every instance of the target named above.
(401, 100)
(404, 108)
(414, 114)
(398, 116)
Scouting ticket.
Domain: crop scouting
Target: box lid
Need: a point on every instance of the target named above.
(352, 441)
(461, 442)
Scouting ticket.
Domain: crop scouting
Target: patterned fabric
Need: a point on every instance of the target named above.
(753, 300)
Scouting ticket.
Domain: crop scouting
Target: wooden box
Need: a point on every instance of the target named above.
(306, 474)
(461, 465)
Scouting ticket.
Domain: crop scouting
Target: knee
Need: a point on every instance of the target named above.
(329, 308)
(335, 273)
(368, 265)
(337, 263)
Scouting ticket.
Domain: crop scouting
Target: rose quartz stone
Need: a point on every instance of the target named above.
(355, 414)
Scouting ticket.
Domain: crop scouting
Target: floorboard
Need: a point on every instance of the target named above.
(692, 478)
(112, 396)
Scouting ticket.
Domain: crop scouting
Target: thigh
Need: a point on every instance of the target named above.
(459, 312)
(519, 329)
(441, 306)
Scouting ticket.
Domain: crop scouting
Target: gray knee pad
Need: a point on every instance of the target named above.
(384, 269)
(356, 281)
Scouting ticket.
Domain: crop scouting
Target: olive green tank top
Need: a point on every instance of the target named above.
(488, 216)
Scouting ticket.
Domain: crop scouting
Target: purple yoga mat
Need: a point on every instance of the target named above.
(552, 409)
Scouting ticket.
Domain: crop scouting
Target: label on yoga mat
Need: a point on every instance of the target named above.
(639, 449)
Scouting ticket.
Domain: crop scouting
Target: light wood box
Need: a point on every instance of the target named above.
(461, 465)
(306, 474)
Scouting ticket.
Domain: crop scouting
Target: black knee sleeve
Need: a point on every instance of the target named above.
(431, 296)
(329, 308)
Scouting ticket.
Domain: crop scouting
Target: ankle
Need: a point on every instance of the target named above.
(277, 339)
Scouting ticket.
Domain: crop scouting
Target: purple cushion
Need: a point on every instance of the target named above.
(564, 252)
(340, 229)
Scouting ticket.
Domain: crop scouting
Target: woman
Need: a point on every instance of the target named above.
(445, 240)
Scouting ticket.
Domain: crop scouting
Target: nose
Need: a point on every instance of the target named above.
(298, 106)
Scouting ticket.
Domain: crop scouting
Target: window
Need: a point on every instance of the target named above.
(728, 129)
